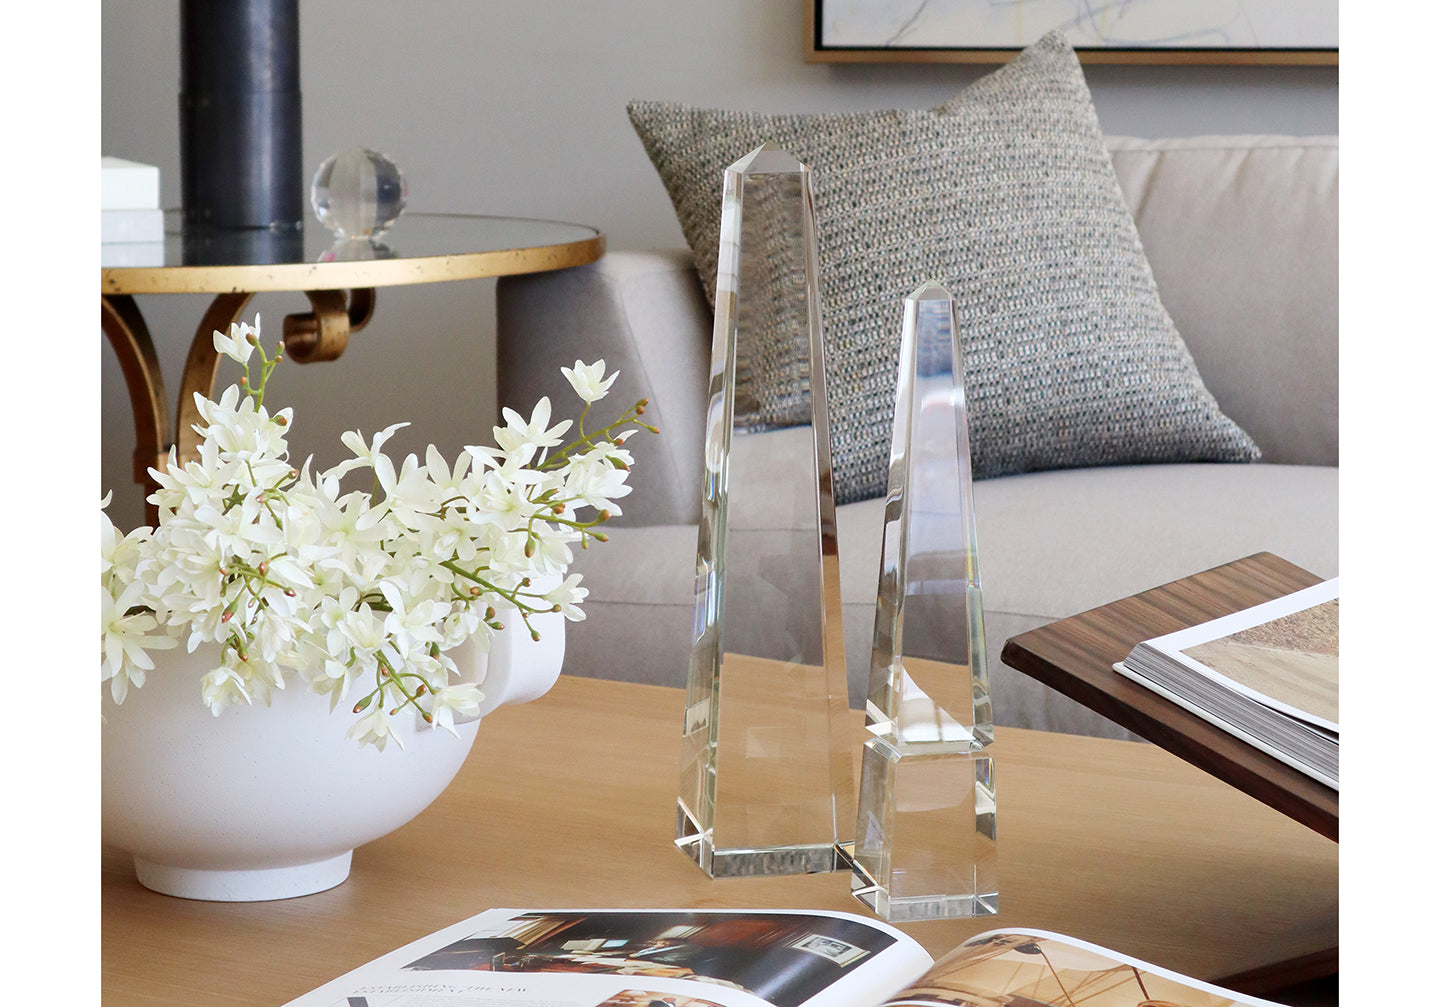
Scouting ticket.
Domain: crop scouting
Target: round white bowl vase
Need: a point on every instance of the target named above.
(270, 802)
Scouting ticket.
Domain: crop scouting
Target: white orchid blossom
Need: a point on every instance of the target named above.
(589, 380)
(239, 342)
(356, 594)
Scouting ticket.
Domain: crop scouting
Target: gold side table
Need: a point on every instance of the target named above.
(338, 279)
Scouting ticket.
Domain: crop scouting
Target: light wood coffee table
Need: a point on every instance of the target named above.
(569, 802)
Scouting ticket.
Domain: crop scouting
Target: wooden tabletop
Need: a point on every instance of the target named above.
(569, 802)
(1077, 657)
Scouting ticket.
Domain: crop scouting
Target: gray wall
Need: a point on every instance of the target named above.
(516, 107)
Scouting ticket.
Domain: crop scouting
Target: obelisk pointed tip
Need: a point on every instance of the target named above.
(930, 290)
(767, 159)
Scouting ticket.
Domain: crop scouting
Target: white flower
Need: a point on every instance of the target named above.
(589, 380)
(551, 552)
(125, 640)
(244, 431)
(223, 687)
(523, 438)
(360, 629)
(463, 699)
(411, 624)
(568, 594)
(594, 479)
(119, 554)
(237, 344)
(351, 590)
(366, 454)
(409, 494)
(376, 727)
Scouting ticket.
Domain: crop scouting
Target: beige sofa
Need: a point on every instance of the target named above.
(1241, 234)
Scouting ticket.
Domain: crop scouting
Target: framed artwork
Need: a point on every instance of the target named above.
(1299, 32)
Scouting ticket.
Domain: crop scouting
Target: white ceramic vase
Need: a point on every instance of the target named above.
(270, 802)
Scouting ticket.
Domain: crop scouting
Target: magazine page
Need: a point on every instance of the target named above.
(1036, 968)
(637, 958)
(1284, 653)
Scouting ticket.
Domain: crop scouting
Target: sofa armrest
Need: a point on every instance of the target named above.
(645, 314)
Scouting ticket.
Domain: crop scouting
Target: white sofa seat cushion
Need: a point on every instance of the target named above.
(1048, 549)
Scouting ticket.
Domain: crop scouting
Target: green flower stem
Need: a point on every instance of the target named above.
(267, 365)
(587, 440)
(387, 678)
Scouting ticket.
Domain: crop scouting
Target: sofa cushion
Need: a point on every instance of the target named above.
(1006, 195)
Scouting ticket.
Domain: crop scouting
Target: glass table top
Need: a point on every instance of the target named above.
(419, 248)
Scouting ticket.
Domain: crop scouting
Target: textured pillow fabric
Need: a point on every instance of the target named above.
(1004, 194)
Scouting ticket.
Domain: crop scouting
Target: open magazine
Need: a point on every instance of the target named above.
(1269, 675)
(751, 958)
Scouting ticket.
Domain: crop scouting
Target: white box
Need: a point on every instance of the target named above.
(128, 185)
(131, 225)
(132, 254)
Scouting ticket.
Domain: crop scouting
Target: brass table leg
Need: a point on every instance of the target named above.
(125, 328)
(322, 334)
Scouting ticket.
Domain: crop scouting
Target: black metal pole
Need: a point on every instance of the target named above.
(240, 157)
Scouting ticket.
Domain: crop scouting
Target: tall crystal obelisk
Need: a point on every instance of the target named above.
(767, 784)
(925, 831)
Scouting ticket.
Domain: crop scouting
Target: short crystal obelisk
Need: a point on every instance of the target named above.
(767, 784)
(925, 830)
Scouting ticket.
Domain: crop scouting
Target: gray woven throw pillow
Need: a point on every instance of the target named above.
(1006, 195)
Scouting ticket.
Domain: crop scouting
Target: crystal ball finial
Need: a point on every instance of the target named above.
(358, 193)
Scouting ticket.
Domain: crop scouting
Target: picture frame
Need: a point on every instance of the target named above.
(1233, 32)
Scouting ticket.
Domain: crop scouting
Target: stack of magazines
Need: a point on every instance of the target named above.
(1269, 675)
